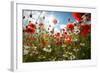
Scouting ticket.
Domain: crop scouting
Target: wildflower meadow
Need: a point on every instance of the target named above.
(56, 36)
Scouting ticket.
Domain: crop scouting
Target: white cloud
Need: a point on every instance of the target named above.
(56, 30)
(62, 26)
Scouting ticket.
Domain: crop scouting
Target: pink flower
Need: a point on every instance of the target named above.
(55, 21)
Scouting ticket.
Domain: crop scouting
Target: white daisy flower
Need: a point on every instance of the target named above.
(75, 40)
(47, 50)
(76, 50)
(49, 46)
(35, 47)
(25, 52)
(26, 47)
(82, 44)
(72, 57)
(76, 30)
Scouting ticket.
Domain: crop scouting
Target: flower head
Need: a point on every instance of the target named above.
(47, 50)
(85, 29)
(68, 39)
(77, 16)
(70, 26)
(76, 30)
(31, 28)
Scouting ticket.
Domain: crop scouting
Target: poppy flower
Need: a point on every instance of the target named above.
(77, 16)
(68, 39)
(70, 26)
(85, 29)
(32, 25)
(44, 43)
(31, 28)
(84, 33)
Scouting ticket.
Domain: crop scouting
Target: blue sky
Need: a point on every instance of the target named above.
(62, 17)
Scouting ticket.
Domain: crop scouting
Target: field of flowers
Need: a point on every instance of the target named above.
(73, 42)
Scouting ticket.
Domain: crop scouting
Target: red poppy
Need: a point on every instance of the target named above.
(68, 39)
(85, 29)
(32, 25)
(44, 43)
(31, 28)
(70, 26)
(77, 16)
